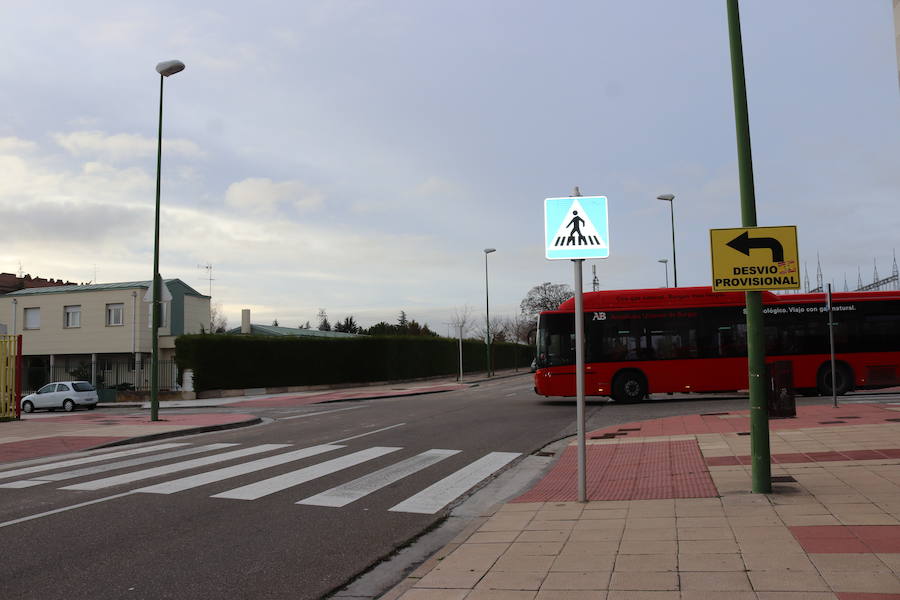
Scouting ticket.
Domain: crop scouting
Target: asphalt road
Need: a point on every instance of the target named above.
(115, 542)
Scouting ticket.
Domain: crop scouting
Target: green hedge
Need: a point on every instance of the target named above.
(239, 361)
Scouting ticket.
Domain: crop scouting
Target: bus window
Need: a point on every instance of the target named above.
(556, 340)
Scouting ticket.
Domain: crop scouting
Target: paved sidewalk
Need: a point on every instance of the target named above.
(670, 517)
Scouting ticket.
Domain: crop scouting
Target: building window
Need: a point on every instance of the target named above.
(115, 314)
(32, 318)
(72, 316)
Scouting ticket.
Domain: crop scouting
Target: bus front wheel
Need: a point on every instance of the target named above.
(630, 386)
(843, 379)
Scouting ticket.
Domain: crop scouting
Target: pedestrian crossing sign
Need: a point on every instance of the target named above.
(576, 227)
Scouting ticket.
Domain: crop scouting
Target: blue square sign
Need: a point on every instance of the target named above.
(576, 227)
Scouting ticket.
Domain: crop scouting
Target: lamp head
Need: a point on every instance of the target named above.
(169, 67)
(663, 260)
(666, 197)
(489, 250)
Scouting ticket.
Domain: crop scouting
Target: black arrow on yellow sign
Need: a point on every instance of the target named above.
(744, 243)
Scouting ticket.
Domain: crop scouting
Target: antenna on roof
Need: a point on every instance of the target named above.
(21, 273)
(208, 267)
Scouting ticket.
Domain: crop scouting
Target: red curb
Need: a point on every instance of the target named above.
(866, 596)
(848, 539)
(797, 457)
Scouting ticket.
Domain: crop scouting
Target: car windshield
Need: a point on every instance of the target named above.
(83, 386)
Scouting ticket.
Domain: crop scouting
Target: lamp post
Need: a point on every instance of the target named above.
(487, 308)
(165, 69)
(665, 262)
(670, 198)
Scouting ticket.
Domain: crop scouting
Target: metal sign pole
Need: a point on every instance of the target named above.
(579, 380)
(830, 310)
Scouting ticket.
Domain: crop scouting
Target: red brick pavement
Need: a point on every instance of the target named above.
(644, 471)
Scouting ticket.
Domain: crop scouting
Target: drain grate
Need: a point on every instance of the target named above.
(605, 436)
(893, 420)
(743, 433)
(843, 417)
(783, 479)
(544, 454)
(713, 414)
(830, 422)
(628, 429)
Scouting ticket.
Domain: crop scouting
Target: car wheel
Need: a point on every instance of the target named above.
(629, 386)
(27, 407)
(68, 406)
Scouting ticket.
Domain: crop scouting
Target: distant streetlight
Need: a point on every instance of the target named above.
(670, 198)
(165, 69)
(487, 308)
(665, 262)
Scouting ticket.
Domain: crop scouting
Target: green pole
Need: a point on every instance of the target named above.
(761, 468)
(154, 357)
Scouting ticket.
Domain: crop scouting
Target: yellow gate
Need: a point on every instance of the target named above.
(10, 376)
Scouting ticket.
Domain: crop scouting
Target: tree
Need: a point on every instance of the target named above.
(547, 296)
(324, 325)
(382, 328)
(305, 326)
(402, 322)
(348, 325)
(275, 323)
(461, 320)
(218, 322)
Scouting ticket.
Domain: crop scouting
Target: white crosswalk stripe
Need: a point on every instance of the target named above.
(358, 488)
(186, 483)
(430, 500)
(99, 484)
(283, 482)
(86, 460)
(437, 496)
(122, 464)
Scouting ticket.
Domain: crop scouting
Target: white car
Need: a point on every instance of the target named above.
(61, 394)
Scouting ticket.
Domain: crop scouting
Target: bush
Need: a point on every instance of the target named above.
(239, 361)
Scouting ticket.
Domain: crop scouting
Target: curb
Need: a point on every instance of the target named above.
(178, 433)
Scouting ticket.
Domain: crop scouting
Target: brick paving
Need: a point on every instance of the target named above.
(830, 529)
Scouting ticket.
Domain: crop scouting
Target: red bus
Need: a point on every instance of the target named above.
(639, 342)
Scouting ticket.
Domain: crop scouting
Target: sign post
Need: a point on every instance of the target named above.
(576, 228)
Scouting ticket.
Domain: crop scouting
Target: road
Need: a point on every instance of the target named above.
(266, 511)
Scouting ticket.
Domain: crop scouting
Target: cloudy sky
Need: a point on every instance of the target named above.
(357, 156)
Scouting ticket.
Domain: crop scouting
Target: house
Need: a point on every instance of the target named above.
(248, 328)
(100, 332)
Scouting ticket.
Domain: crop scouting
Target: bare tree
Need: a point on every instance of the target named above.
(461, 320)
(547, 296)
(218, 323)
(499, 330)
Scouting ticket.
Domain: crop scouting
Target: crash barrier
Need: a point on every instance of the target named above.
(10, 376)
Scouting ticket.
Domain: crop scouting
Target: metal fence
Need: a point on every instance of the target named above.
(116, 374)
(10, 346)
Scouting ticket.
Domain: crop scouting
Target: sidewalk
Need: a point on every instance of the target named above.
(47, 434)
(670, 517)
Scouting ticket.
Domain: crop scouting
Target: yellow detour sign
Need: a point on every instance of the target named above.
(752, 259)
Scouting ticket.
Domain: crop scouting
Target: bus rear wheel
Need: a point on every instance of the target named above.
(629, 386)
(843, 379)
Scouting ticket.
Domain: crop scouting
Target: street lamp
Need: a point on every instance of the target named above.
(165, 69)
(670, 198)
(665, 262)
(487, 308)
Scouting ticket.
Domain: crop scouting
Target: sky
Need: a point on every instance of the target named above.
(358, 156)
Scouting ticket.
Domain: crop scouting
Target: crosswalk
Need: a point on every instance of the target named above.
(135, 466)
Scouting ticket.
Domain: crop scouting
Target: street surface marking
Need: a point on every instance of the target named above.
(321, 412)
(113, 466)
(98, 484)
(257, 490)
(437, 496)
(368, 433)
(64, 509)
(192, 481)
(356, 489)
(86, 460)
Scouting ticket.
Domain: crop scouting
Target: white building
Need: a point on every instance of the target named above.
(102, 330)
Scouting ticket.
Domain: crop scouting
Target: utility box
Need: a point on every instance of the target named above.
(780, 390)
